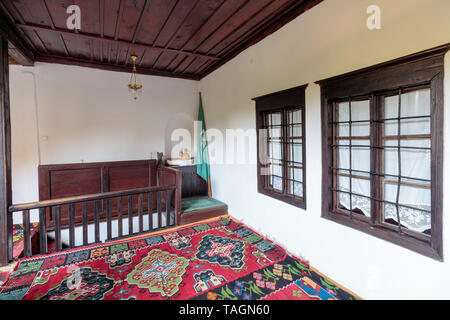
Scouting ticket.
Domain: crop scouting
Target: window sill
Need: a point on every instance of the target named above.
(405, 241)
(297, 202)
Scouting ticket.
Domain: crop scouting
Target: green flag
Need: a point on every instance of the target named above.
(203, 169)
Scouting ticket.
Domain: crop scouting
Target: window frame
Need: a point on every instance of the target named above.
(282, 101)
(425, 68)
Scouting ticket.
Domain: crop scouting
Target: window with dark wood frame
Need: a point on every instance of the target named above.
(382, 147)
(280, 124)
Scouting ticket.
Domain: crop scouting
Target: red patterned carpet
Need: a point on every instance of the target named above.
(219, 259)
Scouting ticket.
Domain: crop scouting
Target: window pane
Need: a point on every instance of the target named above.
(342, 112)
(414, 165)
(416, 103)
(356, 194)
(361, 157)
(361, 110)
(294, 157)
(274, 143)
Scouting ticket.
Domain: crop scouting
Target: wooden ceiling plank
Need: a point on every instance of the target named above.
(118, 53)
(13, 8)
(251, 8)
(32, 11)
(242, 24)
(184, 64)
(91, 49)
(228, 10)
(104, 39)
(91, 16)
(286, 6)
(155, 20)
(40, 41)
(119, 19)
(102, 17)
(207, 65)
(108, 48)
(48, 15)
(139, 24)
(191, 38)
(110, 9)
(197, 19)
(171, 11)
(174, 34)
(127, 59)
(215, 30)
(173, 66)
(16, 11)
(64, 45)
(195, 65)
(4, 5)
(131, 13)
(179, 59)
(251, 26)
(9, 31)
(203, 66)
(142, 58)
(52, 25)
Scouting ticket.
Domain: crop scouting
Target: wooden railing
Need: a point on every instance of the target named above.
(168, 203)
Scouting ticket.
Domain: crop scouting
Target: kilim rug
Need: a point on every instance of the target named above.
(219, 259)
(18, 244)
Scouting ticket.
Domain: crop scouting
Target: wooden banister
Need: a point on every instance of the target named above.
(171, 176)
(92, 197)
(163, 192)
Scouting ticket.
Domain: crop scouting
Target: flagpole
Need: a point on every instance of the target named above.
(209, 178)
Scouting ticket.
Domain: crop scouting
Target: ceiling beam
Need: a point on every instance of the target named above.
(111, 67)
(110, 40)
(23, 53)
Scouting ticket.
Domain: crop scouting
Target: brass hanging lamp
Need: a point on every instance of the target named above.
(135, 86)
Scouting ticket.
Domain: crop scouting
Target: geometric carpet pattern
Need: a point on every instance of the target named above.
(218, 259)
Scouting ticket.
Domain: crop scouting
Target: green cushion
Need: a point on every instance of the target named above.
(199, 203)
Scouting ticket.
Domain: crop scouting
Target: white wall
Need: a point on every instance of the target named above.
(87, 115)
(329, 40)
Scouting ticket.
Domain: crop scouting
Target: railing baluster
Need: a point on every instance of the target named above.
(72, 225)
(85, 224)
(150, 211)
(26, 233)
(97, 221)
(140, 212)
(159, 205)
(168, 195)
(57, 219)
(165, 197)
(173, 199)
(43, 231)
(177, 208)
(108, 220)
(120, 222)
(130, 215)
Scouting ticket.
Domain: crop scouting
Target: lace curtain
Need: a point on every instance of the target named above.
(414, 194)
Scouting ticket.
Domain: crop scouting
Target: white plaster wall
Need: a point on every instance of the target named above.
(87, 115)
(329, 40)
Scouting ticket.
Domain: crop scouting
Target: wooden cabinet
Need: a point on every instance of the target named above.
(69, 180)
(192, 184)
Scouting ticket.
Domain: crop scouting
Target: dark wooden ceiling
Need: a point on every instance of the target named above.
(177, 38)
